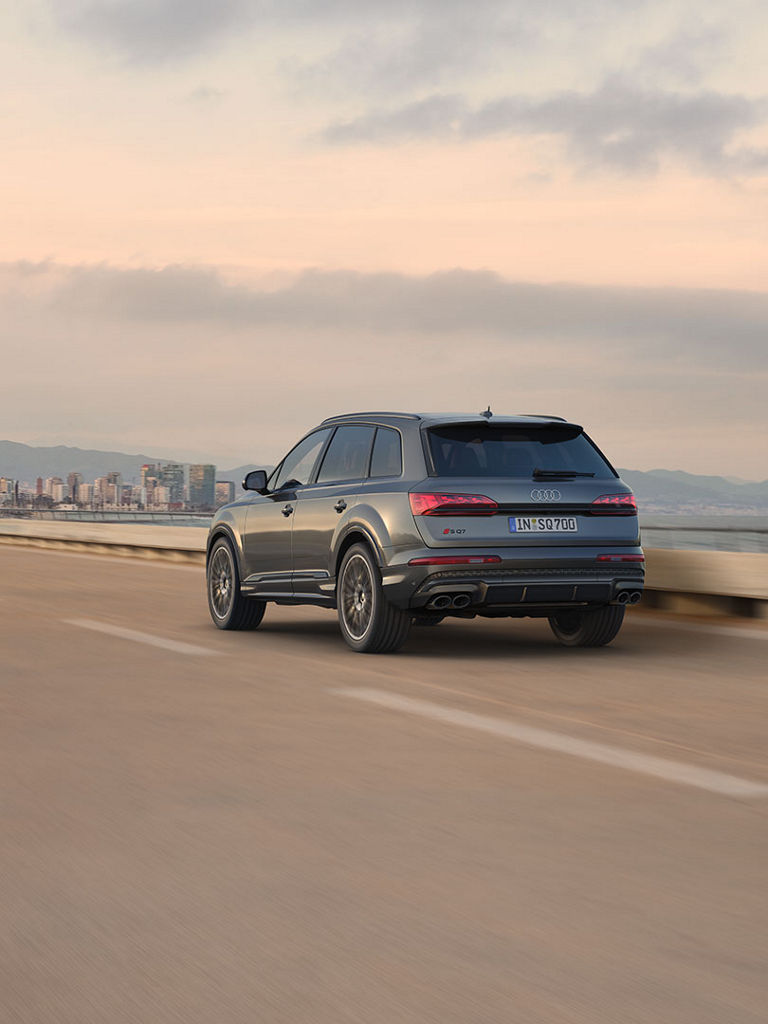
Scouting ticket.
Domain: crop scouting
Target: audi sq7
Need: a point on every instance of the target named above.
(395, 519)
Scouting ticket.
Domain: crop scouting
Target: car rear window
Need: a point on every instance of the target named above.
(498, 451)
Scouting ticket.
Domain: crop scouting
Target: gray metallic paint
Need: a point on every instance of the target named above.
(303, 570)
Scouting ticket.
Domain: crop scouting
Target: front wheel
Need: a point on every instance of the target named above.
(595, 627)
(368, 622)
(228, 608)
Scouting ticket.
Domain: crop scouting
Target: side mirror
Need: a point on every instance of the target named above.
(256, 480)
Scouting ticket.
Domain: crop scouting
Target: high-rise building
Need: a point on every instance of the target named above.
(202, 483)
(225, 492)
(101, 491)
(74, 480)
(39, 486)
(115, 488)
(172, 477)
(8, 491)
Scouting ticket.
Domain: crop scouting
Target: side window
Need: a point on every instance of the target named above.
(299, 463)
(387, 458)
(347, 455)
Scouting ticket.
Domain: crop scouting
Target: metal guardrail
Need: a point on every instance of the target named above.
(107, 516)
(659, 530)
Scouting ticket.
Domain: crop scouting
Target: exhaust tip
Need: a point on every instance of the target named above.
(635, 597)
(622, 597)
(441, 601)
(461, 600)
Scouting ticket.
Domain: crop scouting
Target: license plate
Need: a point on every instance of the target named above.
(543, 524)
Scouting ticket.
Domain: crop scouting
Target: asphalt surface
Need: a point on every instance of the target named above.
(200, 826)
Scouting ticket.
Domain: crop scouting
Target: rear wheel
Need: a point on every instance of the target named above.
(595, 627)
(369, 624)
(228, 608)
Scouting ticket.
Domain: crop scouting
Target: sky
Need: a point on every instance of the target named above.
(224, 220)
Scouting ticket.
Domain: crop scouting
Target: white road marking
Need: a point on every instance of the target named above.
(178, 646)
(644, 764)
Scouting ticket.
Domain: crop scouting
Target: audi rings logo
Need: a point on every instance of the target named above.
(546, 494)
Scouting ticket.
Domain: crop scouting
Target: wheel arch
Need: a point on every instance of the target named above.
(356, 534)
(223, 529)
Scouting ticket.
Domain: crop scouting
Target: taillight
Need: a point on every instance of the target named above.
(620, 558)
(456, 560)
(615, 504)
(440, 504)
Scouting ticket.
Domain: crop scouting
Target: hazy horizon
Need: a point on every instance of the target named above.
(226, 221)
(226, 463)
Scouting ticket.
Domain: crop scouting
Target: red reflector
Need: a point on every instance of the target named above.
(620, 558)
(456, 560)
(441, 504)
(613, 504)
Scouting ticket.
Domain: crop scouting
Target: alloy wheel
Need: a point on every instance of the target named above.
(357, 597)
(221, 582)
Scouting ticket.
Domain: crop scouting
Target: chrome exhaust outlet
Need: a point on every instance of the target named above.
(461, 601)
(623, 596)
(440, 602)
(635, 597)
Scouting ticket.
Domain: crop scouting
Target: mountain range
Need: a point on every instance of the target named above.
(657, 490)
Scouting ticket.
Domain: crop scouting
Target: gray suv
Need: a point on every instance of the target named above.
(397, 519)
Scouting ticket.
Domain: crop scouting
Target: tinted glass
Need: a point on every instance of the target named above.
(387, 459)
(347, 455)
(503, 452)
(299, 463)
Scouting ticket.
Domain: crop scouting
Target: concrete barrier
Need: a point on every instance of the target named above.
(690, 582)
(168, 543)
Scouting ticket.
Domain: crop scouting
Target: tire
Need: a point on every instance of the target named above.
(593, 628)
(228, 608)
(368, 622)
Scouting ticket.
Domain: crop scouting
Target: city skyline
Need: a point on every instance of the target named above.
(169, 486)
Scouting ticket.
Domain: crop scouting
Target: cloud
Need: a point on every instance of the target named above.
(205, 95)
(151, 30)
(428, 34)
(712, 326)
(683, 57)
(179, 359)
(619, 126)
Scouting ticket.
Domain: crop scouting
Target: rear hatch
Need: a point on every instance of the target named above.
(519, 485)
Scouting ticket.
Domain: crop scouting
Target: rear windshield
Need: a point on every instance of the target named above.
(469, 450)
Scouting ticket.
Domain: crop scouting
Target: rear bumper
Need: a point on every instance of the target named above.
(524, 581)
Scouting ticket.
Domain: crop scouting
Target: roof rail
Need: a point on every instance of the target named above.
(362, 415)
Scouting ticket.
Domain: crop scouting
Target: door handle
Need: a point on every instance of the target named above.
(287, 510)
(340, 505)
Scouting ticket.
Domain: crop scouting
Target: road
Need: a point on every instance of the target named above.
(266, 827)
